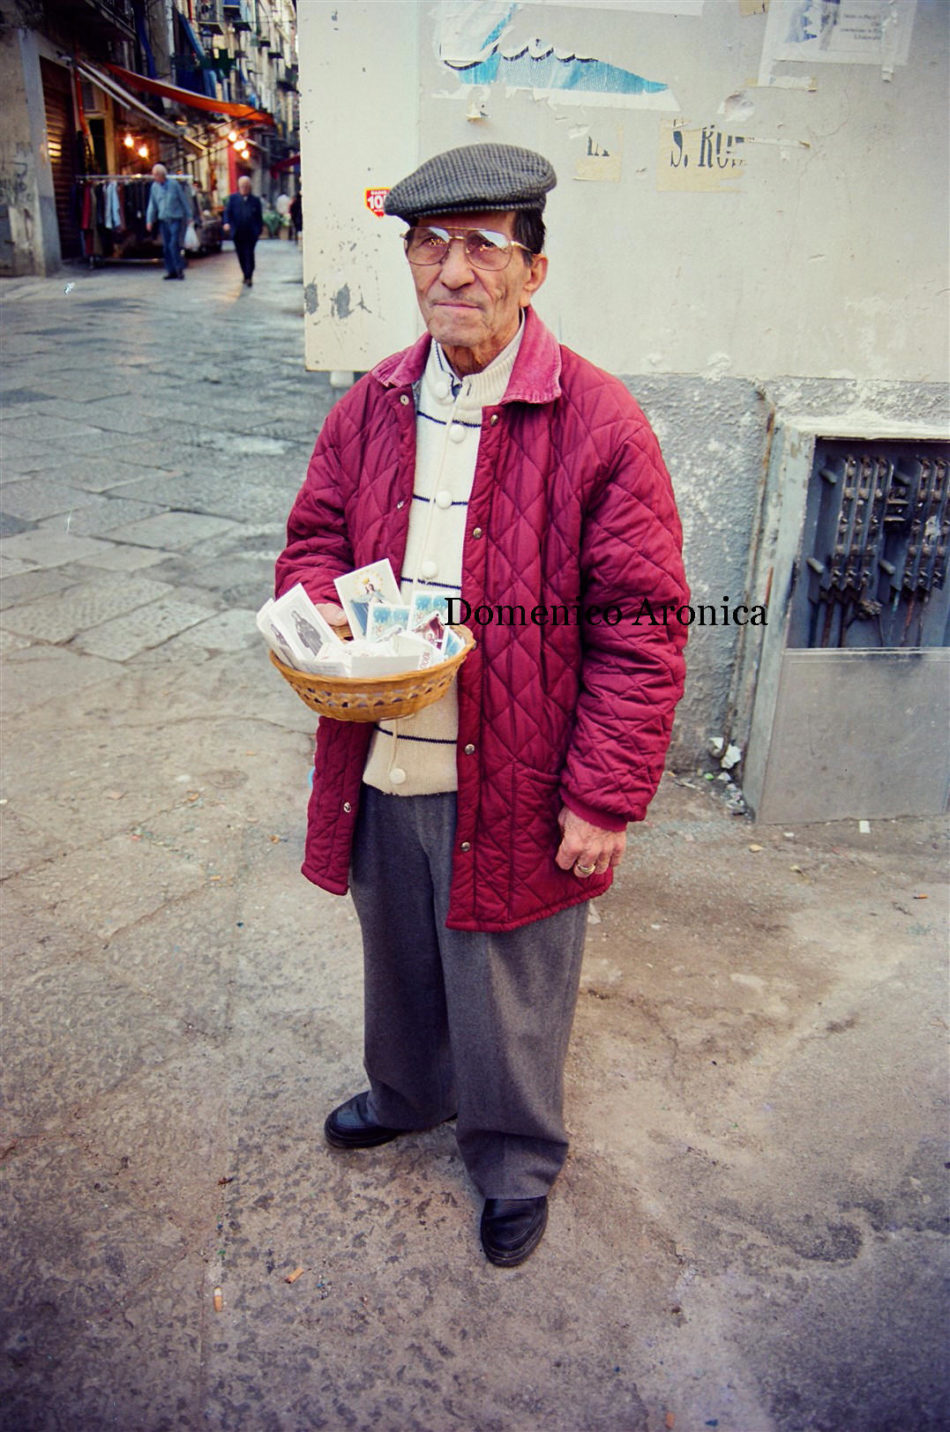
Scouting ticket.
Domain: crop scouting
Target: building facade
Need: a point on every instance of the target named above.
(749, 229)
(97, 91)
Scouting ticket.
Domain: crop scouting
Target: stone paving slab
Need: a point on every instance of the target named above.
(122, 559)
(48, 549)
(97, 516)
(174, 531)
(141, 629)
(28, 426)
(43, 676)
(111, 417)
(105, 888)
(113, 474)
(34, 500)
(228, 631)
(53, 619)
(9, 642)
(13, 567)
(12, 526)
(224, 496)
(69, 1037)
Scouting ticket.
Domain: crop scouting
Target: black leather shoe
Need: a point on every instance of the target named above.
(350, 1126)
(512, 1228)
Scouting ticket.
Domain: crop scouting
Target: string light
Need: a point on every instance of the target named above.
(129, 142)
(143, 151)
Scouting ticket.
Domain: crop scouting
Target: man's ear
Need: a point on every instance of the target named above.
(537, 273)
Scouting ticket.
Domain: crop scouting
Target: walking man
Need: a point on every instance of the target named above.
(496, 466)
(244, 220)
(169, 211)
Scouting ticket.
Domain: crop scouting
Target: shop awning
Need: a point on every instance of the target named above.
(193, 101)
(112, 86)
(290, 162)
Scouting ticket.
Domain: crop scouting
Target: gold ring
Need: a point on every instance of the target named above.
(585, 869)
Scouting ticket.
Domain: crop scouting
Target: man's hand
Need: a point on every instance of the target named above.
(225, 228)
(331, 613)
(586, 848)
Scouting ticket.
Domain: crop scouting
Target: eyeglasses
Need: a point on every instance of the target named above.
(484, 249)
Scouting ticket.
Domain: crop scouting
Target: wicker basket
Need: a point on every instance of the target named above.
(385, 698)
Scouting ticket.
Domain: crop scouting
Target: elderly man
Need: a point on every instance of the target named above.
(168, 210)
(244, 220)
(497, 466)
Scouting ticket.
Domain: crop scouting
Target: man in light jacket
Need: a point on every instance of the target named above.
(243, 222)
(499, 468)
(168, 209)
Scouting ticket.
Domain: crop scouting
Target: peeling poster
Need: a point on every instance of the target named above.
(485, 43)
(843, 32)
(699, 159)
(601, 162)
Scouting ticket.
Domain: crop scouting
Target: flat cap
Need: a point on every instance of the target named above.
(471, 179)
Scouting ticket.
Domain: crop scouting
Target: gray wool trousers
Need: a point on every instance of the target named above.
(459, 1022)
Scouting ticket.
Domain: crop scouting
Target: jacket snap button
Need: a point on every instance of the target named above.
(476, 532)
(347, 807)
(405, 400)
(494, 418)
(466, 845)
(470, 750)
(400, 504)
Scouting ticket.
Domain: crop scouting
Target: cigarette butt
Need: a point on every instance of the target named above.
(292, 1277)
(218, 1300)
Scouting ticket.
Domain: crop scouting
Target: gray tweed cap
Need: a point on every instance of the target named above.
(471, 179)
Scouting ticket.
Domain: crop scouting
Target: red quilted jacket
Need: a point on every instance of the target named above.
(571, 504)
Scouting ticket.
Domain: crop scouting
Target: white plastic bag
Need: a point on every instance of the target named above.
(191, 239)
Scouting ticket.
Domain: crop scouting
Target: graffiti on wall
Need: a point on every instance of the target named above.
(476, 44)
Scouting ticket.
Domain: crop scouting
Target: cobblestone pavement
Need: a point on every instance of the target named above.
(747, 1233)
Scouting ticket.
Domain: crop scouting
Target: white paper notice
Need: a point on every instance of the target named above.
(839, 32)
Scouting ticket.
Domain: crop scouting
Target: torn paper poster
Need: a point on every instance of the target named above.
(636, 7)
(476, 45)
(699, 159)
(843, 32)
(601, 162)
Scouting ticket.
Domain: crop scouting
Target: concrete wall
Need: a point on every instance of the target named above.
(735, 233)
(29, 233)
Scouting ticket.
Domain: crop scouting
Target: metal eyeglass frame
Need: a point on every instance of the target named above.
(501, 242)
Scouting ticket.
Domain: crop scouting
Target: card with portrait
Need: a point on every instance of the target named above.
(363, 589)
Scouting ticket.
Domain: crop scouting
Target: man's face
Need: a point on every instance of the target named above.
(244, 185)
(158, 175)
(474, 313)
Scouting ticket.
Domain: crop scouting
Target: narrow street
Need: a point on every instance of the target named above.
(749, 1232)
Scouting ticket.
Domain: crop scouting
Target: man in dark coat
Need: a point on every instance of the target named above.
(243, 222)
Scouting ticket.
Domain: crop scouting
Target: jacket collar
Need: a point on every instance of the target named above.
(535, 377)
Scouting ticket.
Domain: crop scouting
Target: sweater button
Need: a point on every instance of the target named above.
(441, 388)
(397, 775)
(443, 498)
(469, 749)
(466, 846)
(428, 568)
(457, 433)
